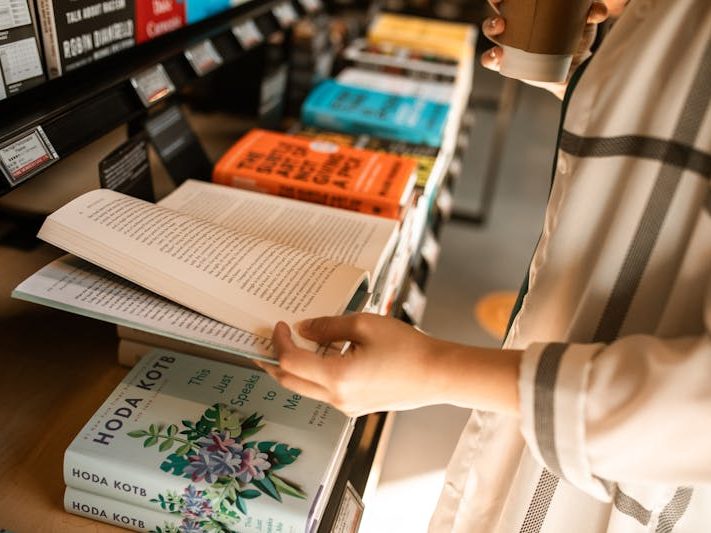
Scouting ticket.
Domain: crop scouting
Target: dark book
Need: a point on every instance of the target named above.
(20, 58)
(78, 32)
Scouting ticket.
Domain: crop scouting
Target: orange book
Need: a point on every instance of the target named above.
(319, 171)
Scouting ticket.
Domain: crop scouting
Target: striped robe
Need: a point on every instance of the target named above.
(615, 380)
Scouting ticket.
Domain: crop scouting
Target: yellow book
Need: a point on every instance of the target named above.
(447, 39)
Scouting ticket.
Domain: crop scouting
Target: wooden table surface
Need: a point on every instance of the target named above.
(55, 370)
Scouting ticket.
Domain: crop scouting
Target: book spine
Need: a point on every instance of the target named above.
(313, 194)
(116, 512)
(49, 38)
(103, 477)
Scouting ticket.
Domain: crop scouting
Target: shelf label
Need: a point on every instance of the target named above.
(25, 155)
(311, 6)
(415, 303)
(350, 512)
(247, 34)
(128, 170)
(285, 14)
(203, 57)
(153, 85)
(430, 250)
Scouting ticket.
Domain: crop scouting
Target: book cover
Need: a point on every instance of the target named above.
(20, 59)
(401, 61)
(424, 155)
(216, 446)
(318, 171)
(157, 17)
(332, 105)
(435, 91)
(79, 32)
(197, 10)
(448, 39)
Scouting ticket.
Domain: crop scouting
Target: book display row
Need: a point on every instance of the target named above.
(326, 219)
(44, 39)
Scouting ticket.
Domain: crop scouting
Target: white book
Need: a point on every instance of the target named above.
(210, 444)
(435, 91)
(211, 265)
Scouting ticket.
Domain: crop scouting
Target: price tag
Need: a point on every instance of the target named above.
(248, 34)
(153, 85)
(350, 512)
(25, 155)
(415, 303)
(311, 6)
(285, 14)
(430, 250)
(445, 204)
(203, 57)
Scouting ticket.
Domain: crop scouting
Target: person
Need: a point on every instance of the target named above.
(595, 414)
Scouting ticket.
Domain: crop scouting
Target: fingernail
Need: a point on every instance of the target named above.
(492, 53)
(304, 325)
(492, 23)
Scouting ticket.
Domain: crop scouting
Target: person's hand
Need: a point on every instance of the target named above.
(494, 26)
(386, 366)
(392, 366)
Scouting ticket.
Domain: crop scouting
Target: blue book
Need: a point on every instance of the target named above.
(334, 106)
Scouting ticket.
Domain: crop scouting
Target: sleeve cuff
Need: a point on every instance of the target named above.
(552, 386)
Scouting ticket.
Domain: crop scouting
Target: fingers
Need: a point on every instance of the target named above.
(295, 383)
(303, 364)
(493, 26)
(598, 13)
(491, 59)
(325, 330)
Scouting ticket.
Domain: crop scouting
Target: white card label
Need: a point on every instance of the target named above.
(430, 250)
(26, 155)
(349, 513)
(285, 14)
(247, 34)
(203, 57)
(311, 6)
(153, 85)
(445, 203)
(415, 303)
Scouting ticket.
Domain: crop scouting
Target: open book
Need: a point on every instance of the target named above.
(222, 265)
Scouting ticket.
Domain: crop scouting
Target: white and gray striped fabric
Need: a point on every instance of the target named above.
(615, 382)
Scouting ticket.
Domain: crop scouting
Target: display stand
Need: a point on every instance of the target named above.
(58, 367)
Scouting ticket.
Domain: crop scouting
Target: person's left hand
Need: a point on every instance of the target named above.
(388, 366)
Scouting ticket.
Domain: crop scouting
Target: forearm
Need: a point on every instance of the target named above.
(477, 378)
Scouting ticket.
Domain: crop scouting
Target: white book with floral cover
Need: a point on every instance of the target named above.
(213, 446)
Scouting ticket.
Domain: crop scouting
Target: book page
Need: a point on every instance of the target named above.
(70, 283)
(236, 278)
(344, 236)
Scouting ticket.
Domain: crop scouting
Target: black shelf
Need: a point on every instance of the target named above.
(85, 104)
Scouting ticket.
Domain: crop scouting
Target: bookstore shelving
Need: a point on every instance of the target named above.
(61, 116)
(53, 382)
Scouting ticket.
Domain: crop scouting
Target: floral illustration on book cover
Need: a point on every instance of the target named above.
(220, 451)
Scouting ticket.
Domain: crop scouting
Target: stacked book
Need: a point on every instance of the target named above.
(187, 444)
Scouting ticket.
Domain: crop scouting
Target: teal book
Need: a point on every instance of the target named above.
(195, 445)
(356, 110)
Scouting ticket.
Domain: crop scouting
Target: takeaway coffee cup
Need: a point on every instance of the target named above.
(541, 37)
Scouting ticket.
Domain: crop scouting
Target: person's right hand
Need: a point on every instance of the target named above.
(495, 26)
(390, 365)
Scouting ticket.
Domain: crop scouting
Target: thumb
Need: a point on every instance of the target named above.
(325, 330)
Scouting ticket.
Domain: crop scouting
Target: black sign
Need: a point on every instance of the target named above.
(177, 146)
(127, 170)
